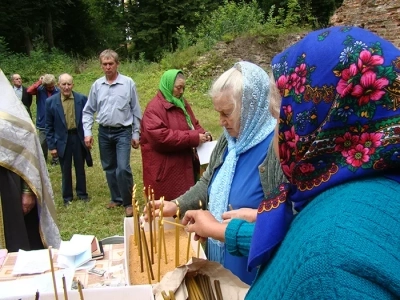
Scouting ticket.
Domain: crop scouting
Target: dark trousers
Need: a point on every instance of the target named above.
(43, 143)
(21, 232)
(74, 150)
(45, 148)
(115, 152)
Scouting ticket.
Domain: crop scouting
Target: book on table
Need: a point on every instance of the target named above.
(97, 249)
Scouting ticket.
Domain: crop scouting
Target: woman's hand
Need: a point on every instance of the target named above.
(248, 214)
(170, 209)
(202, 138)
(204, 225)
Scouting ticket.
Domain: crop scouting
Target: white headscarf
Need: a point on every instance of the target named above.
(256, 123)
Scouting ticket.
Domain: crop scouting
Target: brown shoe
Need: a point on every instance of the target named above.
(113, 204)
(129, 211)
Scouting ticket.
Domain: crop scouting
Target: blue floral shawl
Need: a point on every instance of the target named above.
(339, 121)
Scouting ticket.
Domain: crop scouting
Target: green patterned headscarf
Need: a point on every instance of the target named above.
(167, 86)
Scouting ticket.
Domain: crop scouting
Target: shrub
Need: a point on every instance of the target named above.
(229, 20)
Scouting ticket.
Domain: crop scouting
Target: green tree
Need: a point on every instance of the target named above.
(77, 33)
(18, 24)
(108, 19)
(322, 10)
(154, 23)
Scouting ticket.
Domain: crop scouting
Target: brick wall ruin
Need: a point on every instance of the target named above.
(379, 16)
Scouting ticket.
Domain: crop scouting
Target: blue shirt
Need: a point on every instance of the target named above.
(18, 92)
(246, 191)
(116, 104)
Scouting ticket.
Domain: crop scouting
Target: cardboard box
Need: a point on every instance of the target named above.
(129, 230)
(121, 293)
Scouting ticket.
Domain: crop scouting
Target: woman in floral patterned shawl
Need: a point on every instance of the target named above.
(338, 140)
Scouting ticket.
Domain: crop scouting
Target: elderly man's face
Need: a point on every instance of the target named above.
(109, 66)
(17, 81)
(229, 115)
(66, 85)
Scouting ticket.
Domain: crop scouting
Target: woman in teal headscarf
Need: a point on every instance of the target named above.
(169, 137)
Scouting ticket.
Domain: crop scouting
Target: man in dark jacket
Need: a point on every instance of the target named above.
(21, 92)
(65, 138)
(43, 88)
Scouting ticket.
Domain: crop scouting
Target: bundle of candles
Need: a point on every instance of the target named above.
(199, 288)
(37, 295)
(146, 251)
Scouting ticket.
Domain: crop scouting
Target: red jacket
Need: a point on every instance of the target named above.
(167, 145)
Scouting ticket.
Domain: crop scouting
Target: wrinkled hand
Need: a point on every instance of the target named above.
(135, 143)
(89, 142)
(248, 214)
(28, 202)
(208, 136)
(202, 138)
(54, 153)
(169, 210)
(204, 225)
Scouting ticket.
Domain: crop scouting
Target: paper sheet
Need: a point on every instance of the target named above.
(32, 262)
(42, 283)
(204, 151)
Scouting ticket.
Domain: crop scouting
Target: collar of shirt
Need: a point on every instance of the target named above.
(17, 88)
(116, 81)
(70, 97)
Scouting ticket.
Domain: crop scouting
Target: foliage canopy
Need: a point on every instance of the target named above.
(144, 29)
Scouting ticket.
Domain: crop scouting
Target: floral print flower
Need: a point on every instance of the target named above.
(360, 44)
(367, 61)
(345, 111)
(288, 169)
(370, 88)
(371, 141)
(285, 153)
(344, 56)
(345, 85)
(345, 143)
(282, 85)
(307, 168)
(291, 138)
(358, 156)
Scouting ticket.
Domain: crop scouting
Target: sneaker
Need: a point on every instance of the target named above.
(54, 162)
(67, 203)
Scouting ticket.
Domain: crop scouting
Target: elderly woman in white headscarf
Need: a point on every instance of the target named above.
(243, 168)
(27, 212)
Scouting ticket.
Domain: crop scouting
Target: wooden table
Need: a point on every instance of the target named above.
(113, 258)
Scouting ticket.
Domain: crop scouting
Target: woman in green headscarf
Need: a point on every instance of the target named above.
(169, 137)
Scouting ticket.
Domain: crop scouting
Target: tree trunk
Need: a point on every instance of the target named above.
(28, 44)
(49, 31)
